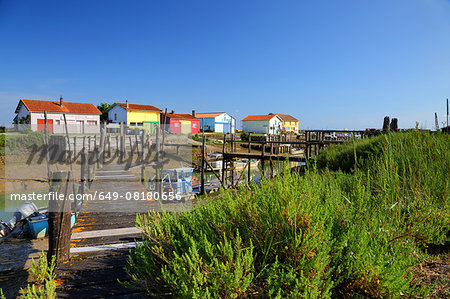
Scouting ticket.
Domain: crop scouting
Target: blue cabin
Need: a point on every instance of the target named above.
(218, 122)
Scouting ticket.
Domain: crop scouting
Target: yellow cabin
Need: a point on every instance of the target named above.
(290, 124)
(134, 115)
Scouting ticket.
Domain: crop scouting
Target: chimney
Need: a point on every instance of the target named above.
(127, 104)
(194, 113)
(61, 101)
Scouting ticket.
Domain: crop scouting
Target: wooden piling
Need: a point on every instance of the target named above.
(223, 160)
(143, 148)
(158, 160)
(263, 149)
(68, 141)
(47, 153)
(102, 146)
(59, 217)
(249, 171)
(122, 144)
(202, 178)
(84, 169)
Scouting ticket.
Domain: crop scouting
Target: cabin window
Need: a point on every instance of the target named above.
(194, 125)
(91, 123)
(139, 124)
(57, 122)
(176, 125)
(115, 116)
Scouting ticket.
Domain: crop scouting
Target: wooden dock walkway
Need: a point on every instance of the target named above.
(101, 238)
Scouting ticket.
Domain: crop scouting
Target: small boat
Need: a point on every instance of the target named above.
(27, 221)
(178, 180)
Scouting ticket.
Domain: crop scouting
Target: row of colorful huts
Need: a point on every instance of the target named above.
(85, 118)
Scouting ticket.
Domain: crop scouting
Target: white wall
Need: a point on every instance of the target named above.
(225, 117)
(262, 126)
(256, 126)
(72, 125)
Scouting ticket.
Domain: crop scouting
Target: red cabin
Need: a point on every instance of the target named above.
(180, 123)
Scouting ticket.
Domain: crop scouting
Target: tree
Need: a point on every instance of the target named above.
(104, 107)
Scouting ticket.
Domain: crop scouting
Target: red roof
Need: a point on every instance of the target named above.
(208, 115)
(258, 117)
(180, 116)
(139, 107)
(51, 106)
(285, 117)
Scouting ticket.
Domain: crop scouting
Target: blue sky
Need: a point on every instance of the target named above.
(331, 64)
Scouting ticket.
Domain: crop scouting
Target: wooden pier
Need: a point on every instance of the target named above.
(101, 238)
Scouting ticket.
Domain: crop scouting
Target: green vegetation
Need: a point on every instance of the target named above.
(43, 276)
(208, 139)
(104, 109)
(244, 136)
(322, 234)
(2, 144)
(21, 142)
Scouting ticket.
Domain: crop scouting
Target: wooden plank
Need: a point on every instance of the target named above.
(106, 232)
(104, 247)
(266, 157)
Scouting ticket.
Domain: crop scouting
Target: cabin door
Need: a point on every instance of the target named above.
(186, 127)
(80, 126)
(41, 125)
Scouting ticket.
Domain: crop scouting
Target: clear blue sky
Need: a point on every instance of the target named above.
(331, 64)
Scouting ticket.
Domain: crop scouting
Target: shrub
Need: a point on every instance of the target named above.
(21, 142)
(323, 234)
(43, 276)
(244, 136)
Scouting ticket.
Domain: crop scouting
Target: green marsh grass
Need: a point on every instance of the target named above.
(344, 232)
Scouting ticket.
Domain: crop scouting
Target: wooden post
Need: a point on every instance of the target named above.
(122, 144)
(231, 143)
(263, 149)
(109, 146)
(249, 171)
(143, 155)
(158, 169)
(271, 145)
(59, 224)
(164, 135)
(47, 154)
(223, 160)
(101, 157)
(136, 139)
(202, 178)
(117, 147)
(84, 168)
(232, 171)
(74, 146)
(131, 146)
(68, 140)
